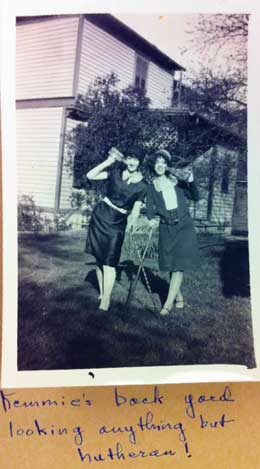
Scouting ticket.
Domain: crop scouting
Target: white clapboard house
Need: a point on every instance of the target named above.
(57, 58)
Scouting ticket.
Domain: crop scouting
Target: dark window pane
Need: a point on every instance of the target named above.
(225, 180)
(141, 72)
(137, 81)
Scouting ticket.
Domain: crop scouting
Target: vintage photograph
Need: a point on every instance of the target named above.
(131, 153)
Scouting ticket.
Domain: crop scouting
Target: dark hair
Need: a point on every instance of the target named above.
(151, 160)
(164, 154)
(135, 152)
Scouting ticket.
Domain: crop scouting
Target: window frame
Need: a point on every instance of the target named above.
(225, 180)
(146, 61)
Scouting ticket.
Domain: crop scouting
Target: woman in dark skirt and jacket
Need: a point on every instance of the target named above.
(125, 193)
(178, 247)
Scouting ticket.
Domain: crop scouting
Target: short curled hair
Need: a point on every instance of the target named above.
(164, 154)
(135, 152)
(151, 160)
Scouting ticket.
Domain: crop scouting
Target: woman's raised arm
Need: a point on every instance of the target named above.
(189, 187)
(99, 172)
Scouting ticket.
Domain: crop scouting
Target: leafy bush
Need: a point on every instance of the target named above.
(59, 223)
(30, 217)
(138, 241)
(77, 199)
(114, 117)
(84, 201)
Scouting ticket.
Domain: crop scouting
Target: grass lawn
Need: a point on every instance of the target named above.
(59, 326)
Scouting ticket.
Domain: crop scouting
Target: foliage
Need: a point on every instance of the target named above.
(114, 117)
(134, 244)
(33, 219)
(225, 34)
(58, 223)
(83, 201)
(221, 80)
(122, 117)
(77, 199)
(30, 217)
(218, 87)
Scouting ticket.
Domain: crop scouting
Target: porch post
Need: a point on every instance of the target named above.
(60, 160)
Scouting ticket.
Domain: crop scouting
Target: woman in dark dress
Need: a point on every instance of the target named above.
(178, 247)
(125, 193)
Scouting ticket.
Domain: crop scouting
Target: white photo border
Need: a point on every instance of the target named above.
(11, 377)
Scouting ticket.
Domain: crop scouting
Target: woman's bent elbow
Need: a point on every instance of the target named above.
(89, 176)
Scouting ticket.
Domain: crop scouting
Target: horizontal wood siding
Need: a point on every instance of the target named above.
(67, 179)
(159, 86)
(45, 58)
(223, 202)
(239, 221)
(102, 54)
(37, 143)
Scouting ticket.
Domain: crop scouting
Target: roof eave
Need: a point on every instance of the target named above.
(120, 30)
(113, 25)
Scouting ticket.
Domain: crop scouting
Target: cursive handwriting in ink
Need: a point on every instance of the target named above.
(148, 423)
(120, 399)
(105, 430)
(8, 402)
(37, 429)
(226, 396)
(78, 439)
(215, 423)
(145, 424)
(119, 454)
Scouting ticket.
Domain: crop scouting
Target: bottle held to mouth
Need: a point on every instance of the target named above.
(115, 155)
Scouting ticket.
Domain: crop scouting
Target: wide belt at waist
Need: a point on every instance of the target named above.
(119, 209)
(170, 218)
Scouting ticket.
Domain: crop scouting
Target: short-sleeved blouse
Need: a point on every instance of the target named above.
(121, 193)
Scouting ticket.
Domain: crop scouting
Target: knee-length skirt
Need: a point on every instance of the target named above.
(106, 234)
(178, 247)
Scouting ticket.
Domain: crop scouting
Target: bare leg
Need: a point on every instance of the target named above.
(109, 276)
(179, 302)
(174, 289)
(99, 273)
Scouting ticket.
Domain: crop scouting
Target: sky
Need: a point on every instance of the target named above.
(173, 33)
(167, 32)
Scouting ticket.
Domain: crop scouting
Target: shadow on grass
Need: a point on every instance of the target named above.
(91, 278)
(53, 245)
(157, 284)
(234, 269)
(130, 269)
(60, 327)
(71, 338)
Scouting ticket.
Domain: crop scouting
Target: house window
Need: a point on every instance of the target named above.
(178, 92)
(141, 68)
(175, 92)
(225, 179)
